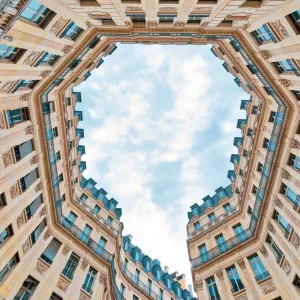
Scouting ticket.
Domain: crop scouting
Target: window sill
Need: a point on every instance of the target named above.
(238, 292)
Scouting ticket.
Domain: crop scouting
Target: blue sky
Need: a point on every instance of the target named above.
(159, 126)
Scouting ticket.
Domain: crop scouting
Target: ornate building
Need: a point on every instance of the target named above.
(61, 237)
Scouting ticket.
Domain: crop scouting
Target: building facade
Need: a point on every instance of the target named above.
(61, 237)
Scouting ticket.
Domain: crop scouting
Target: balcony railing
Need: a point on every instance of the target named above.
(262, 276)
(214, 222)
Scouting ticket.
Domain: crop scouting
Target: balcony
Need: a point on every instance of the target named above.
(214, 222)
(262, 276)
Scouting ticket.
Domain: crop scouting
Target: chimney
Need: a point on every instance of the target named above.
(190, 289)
(166, 269)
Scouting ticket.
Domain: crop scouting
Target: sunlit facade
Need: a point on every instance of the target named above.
(61, 237)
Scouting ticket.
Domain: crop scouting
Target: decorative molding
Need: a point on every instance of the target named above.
(242, 297)
(265, 54)
(281, 30)
(268, 287)
(47, 234)
(14, 191)
(58, 25)
(7, 158)
(20, 221)
(152, 24)
(29, 130)
(30, 58)
(83, 297)
(62, 284)
(43, 211)
(271, 228)
(2, 121)
(41, 267)
(220, 274)
(25, 97)
(241, 263)
(26, 246)
(66, 49)
(45, 74)
(7, 86)
(38, 187)
(263, 251)
(179, 24)
(102, 278)
(286, 267)
(278, 203)
(134, 9)
(199, 285)
(285, 174)
(295, 144)
(168, 9)
(84, 264)
(34, 160)
(202, 10)
(66, 250)
(296, 240)
(285, 82)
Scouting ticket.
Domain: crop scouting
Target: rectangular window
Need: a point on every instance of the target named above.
(275, 249)
(55, 132)
(262, 35)
(57, 156)
(20, 151)
(254, 189)
(103, 242)
(74, 162)
(47, 59)
(72, 217)
(258, 267)
(3, 200)
(52, 106)
(249, 132)
(211, 217)
(282, 222)
(291, 195)
(122, 290)
(37, 13)
(89, 280)
(254, 110)
(97, 209)
(83, 197)
(272, 116)
(149, 290)
(260, 167)
(71, 266)
(27, 289)
(109, 220)
(197, 225)
(235, 279)
(37, 232)
(4, 272)
(61, 177)
(284, 66)
(25, 85)
(16, 116)
(222, 245)
(28, 180)
(240, 232)
(9, 53)
(294, 161)
(296, 282)
(72, 31)
(266, 143)
(203, 253)
(31, 209)
(135, 297)
(212, 288)
(5, 234)
(85, 234)
(55, 297)
(137, 276)
(51, 250)
(227, 207)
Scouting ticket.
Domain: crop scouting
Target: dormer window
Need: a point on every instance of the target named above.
(137, 256)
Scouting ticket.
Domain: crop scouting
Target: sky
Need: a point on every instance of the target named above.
(159, 125)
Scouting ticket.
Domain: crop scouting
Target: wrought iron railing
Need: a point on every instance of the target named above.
(262, 276)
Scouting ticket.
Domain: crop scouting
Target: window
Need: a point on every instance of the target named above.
(31, 209)
(284, 66)
(272, 116)
(122, 290)
(27, 289)
(296, 94)
(221, 243)
(102, 242)
(296, 282)
(203, 253)
(55, 132)
(241, 172)
(282, 222)
(197, 225)
(109, 220)
(52, 106)
(47, 59)
(3, 273)
(275, 249)
(5, 234)
(25, 85)
(240, 232)
(261, 35)
(249, 132)
(85, 234)
(266, 143)
(295, 18)
(260, 167)
(37, 13)
(27, 180)
(125, 265)
(227, 207)
(258, 268)
(135, 297)
(55, 297)
(249, 210)
(16, 116)
(72, 31)
(51, 250)
(63, 198)
(254, 189)
(37, 232)
(137, 276)
(68, 101)
(74, 162)
(3, 200)
(89, 280)
(69, 124)
(212, 288)
(72, 217)
(57, 155)
(83, 197)
(289, 193)
(61, 177)
(97, 209)
(211, 217)
(9, 53)
(72, 143)
(149, 289)
(161, 294)
(294, 161)
(71, 266)
(245, 153)
(235, 279)
(254, 110)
